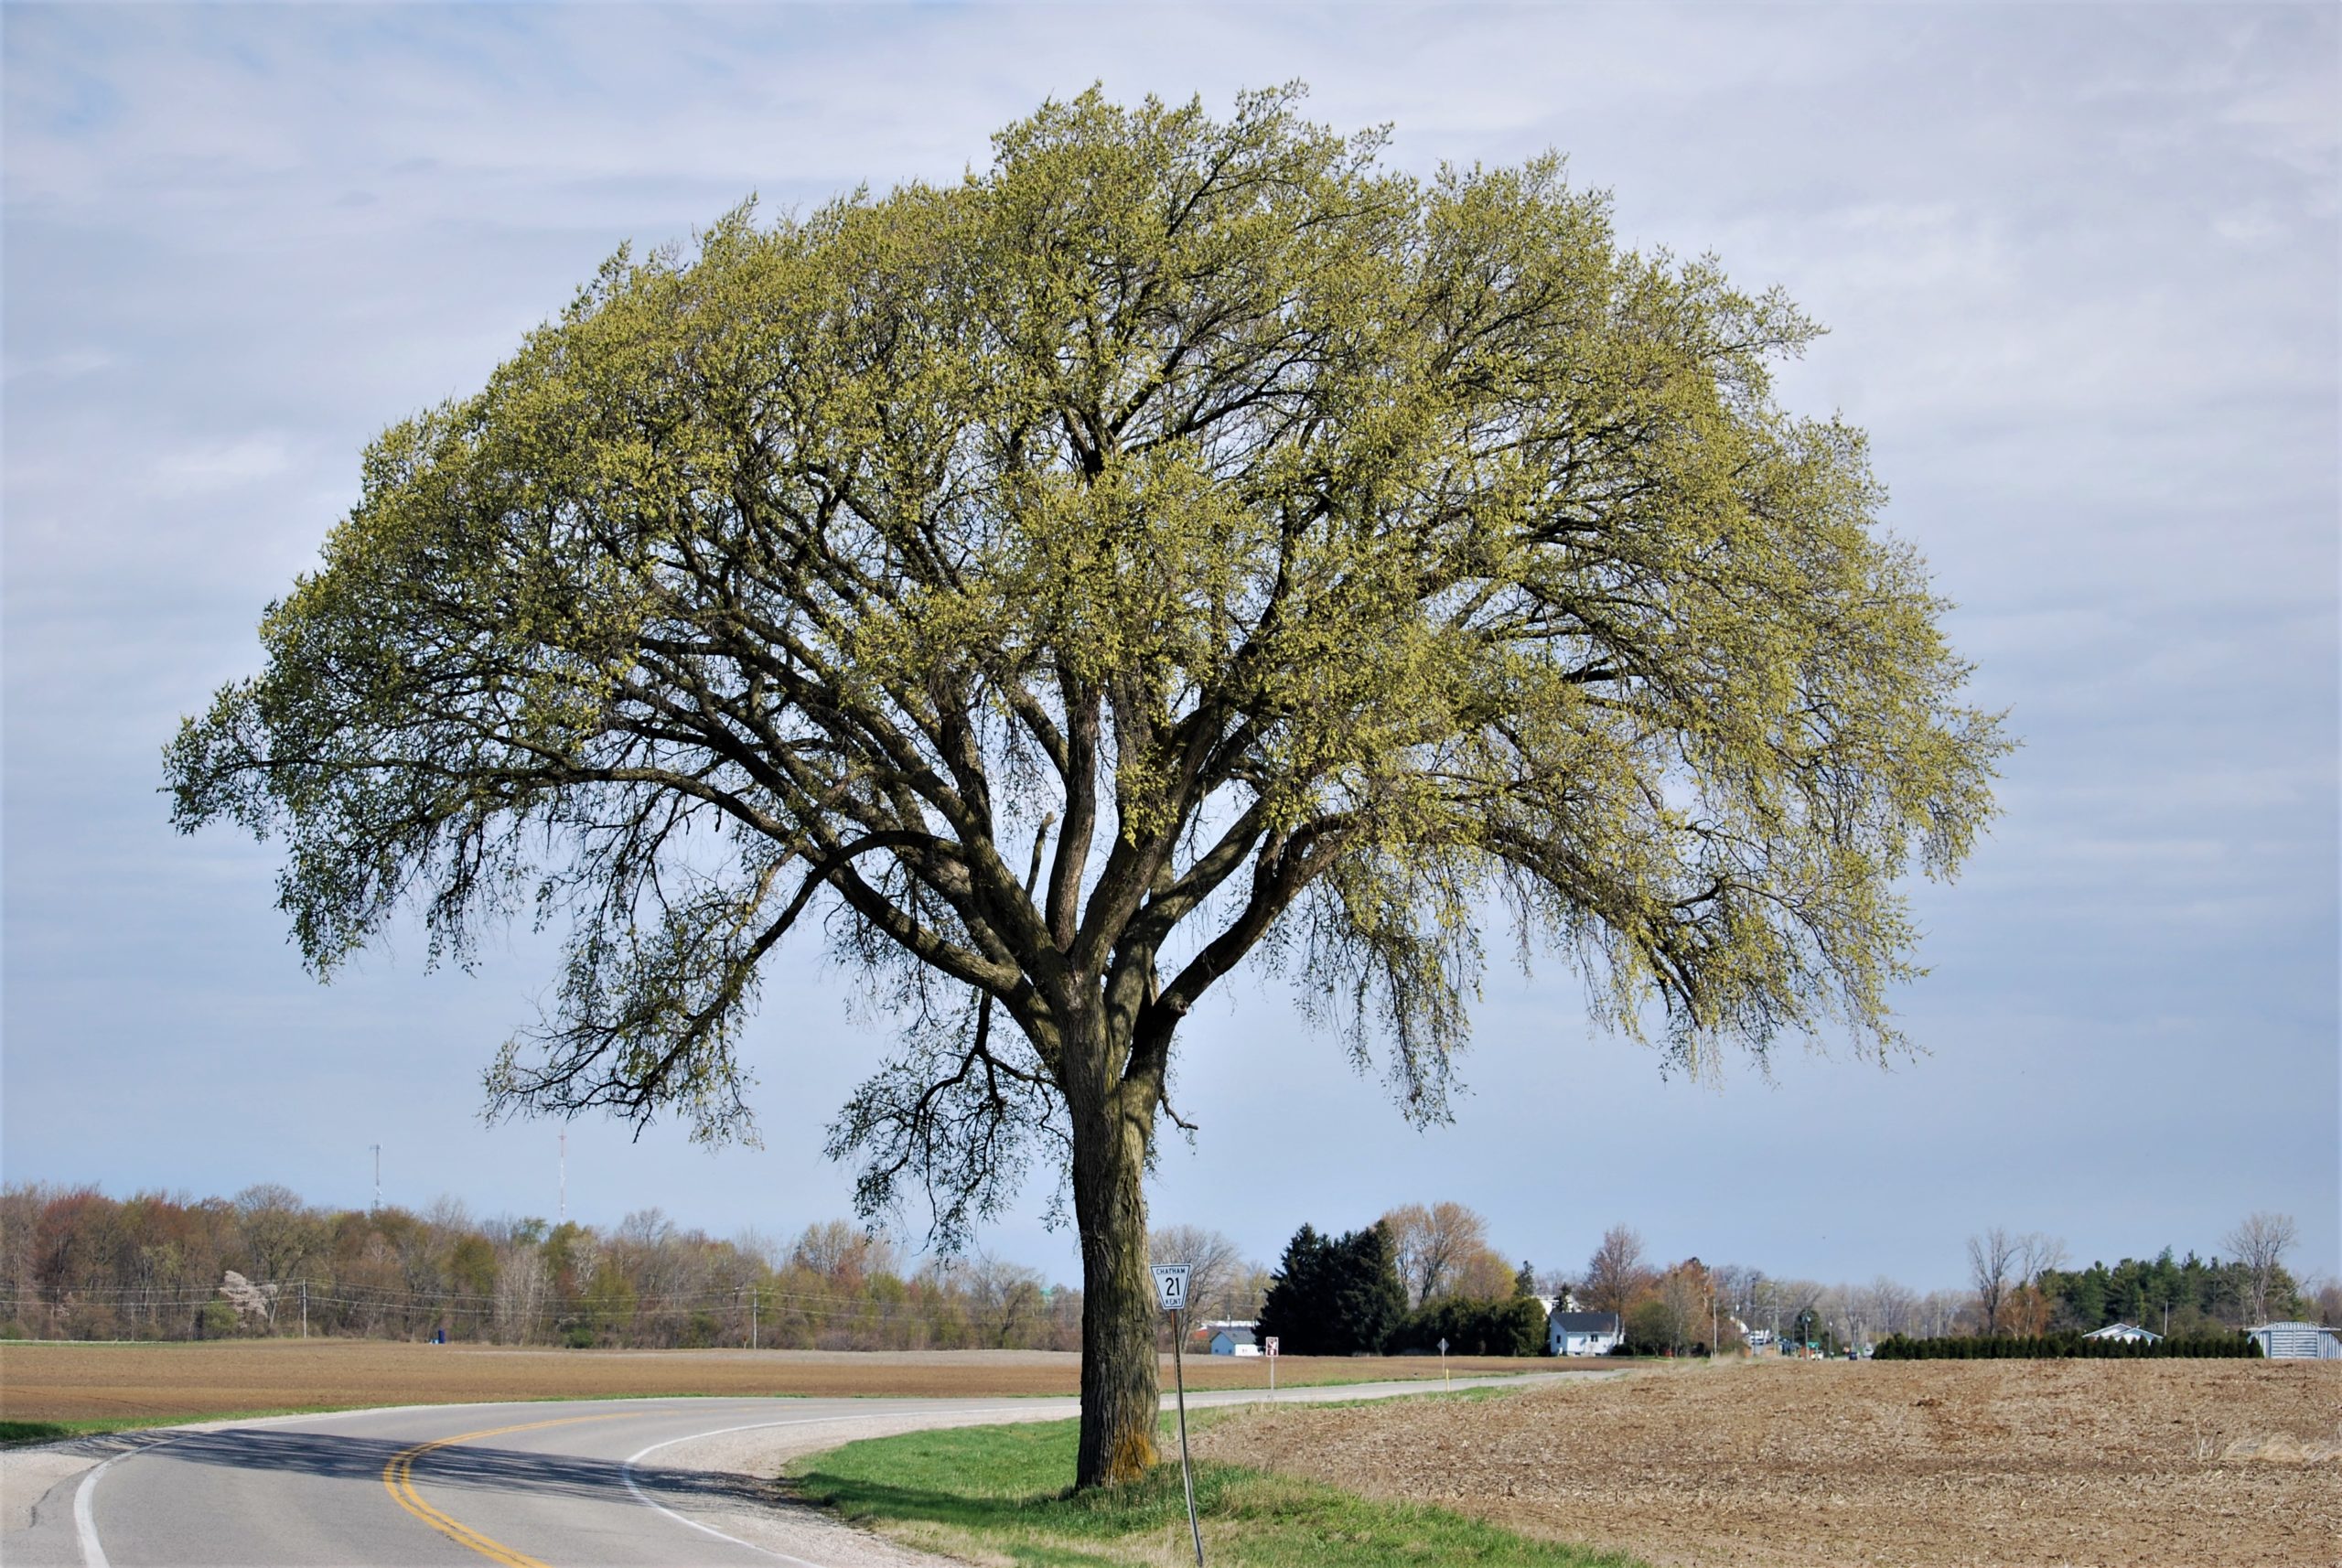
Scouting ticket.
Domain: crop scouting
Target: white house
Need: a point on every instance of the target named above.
(2298, 1342)
(1235, 1342)
(2126, 1331)
(1582, 1333)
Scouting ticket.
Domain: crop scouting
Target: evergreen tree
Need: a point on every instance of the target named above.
(1334, 1295)
(1293, 1310)
(1366, 1299)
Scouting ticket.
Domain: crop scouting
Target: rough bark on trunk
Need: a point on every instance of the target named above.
(1120, 1394)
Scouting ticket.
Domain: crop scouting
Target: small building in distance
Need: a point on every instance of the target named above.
(1235, 1342)
(2124, 1331)
(1584, 1333)
(2298, 1342)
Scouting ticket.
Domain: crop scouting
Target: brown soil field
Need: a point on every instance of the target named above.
(162, 1383)
(2006, 1463)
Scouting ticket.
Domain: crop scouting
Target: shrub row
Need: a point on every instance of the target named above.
(1515, 1327)
(2042, 1346)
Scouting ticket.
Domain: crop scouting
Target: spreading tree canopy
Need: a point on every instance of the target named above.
(1183, 541)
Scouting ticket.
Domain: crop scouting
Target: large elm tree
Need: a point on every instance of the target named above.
(1182, 543)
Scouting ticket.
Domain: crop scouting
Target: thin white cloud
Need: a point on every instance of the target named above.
(68, 365)
(221, 465)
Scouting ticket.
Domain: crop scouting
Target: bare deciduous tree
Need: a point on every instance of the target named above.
(1890, 1307)
(844, 1253)
(2036, 1255)
(1939, 1310)
(523, 1284)
(2260, 1242)
(1993, 1272)
(279, 1233)
(1686, 1297)
(1737, 1284)
(1004, 1298)
(1792, 1300)
(1431, 1246)
(1219, 1277)
(1615, 1275)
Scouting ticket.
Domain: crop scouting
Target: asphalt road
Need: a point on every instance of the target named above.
(582, 1484)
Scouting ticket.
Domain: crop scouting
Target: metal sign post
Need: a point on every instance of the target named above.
(1171, 1295)
(1272, 1342)
(1446, 1386)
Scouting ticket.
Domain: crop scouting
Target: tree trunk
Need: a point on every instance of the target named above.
(1120, 1395)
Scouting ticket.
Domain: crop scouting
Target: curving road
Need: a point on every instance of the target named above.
(584, 1483)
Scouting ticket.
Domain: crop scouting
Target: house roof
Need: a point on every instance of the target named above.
(1236, 1336)
(2121, 1331)
(1586, 1322)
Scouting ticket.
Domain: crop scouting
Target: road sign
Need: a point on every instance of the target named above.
(1171, 1295)
(1443, 1346)
(1272, 1342)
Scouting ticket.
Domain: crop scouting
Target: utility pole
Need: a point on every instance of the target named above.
(305, 1309)
(752, 1318)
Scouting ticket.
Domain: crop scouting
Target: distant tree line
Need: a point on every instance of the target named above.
(1420, 1276)
(2068, 1346)
(76, 1265)
(1412, 1279)
(2191, 1294)
(2021, 1288)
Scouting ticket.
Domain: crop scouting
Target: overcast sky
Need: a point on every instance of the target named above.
(2081, 269)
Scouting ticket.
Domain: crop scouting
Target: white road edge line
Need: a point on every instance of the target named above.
(93, 1555)
(85, 1528)
(626, 1469)
(85, 1523)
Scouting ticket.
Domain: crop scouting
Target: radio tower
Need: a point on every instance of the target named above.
(378, 1177)
(564, 1179)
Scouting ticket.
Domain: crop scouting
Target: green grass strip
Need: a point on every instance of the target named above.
(37, 1431)
(998, 1493)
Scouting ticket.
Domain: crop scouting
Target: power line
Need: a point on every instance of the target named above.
(749, 1298)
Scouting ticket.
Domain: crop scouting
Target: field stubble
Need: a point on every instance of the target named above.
(2012, 1464)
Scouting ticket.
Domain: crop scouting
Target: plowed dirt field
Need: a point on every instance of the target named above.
(82, 1383)
(2009, 1463)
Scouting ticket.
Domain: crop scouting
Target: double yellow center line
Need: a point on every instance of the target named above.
(398, 1476)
